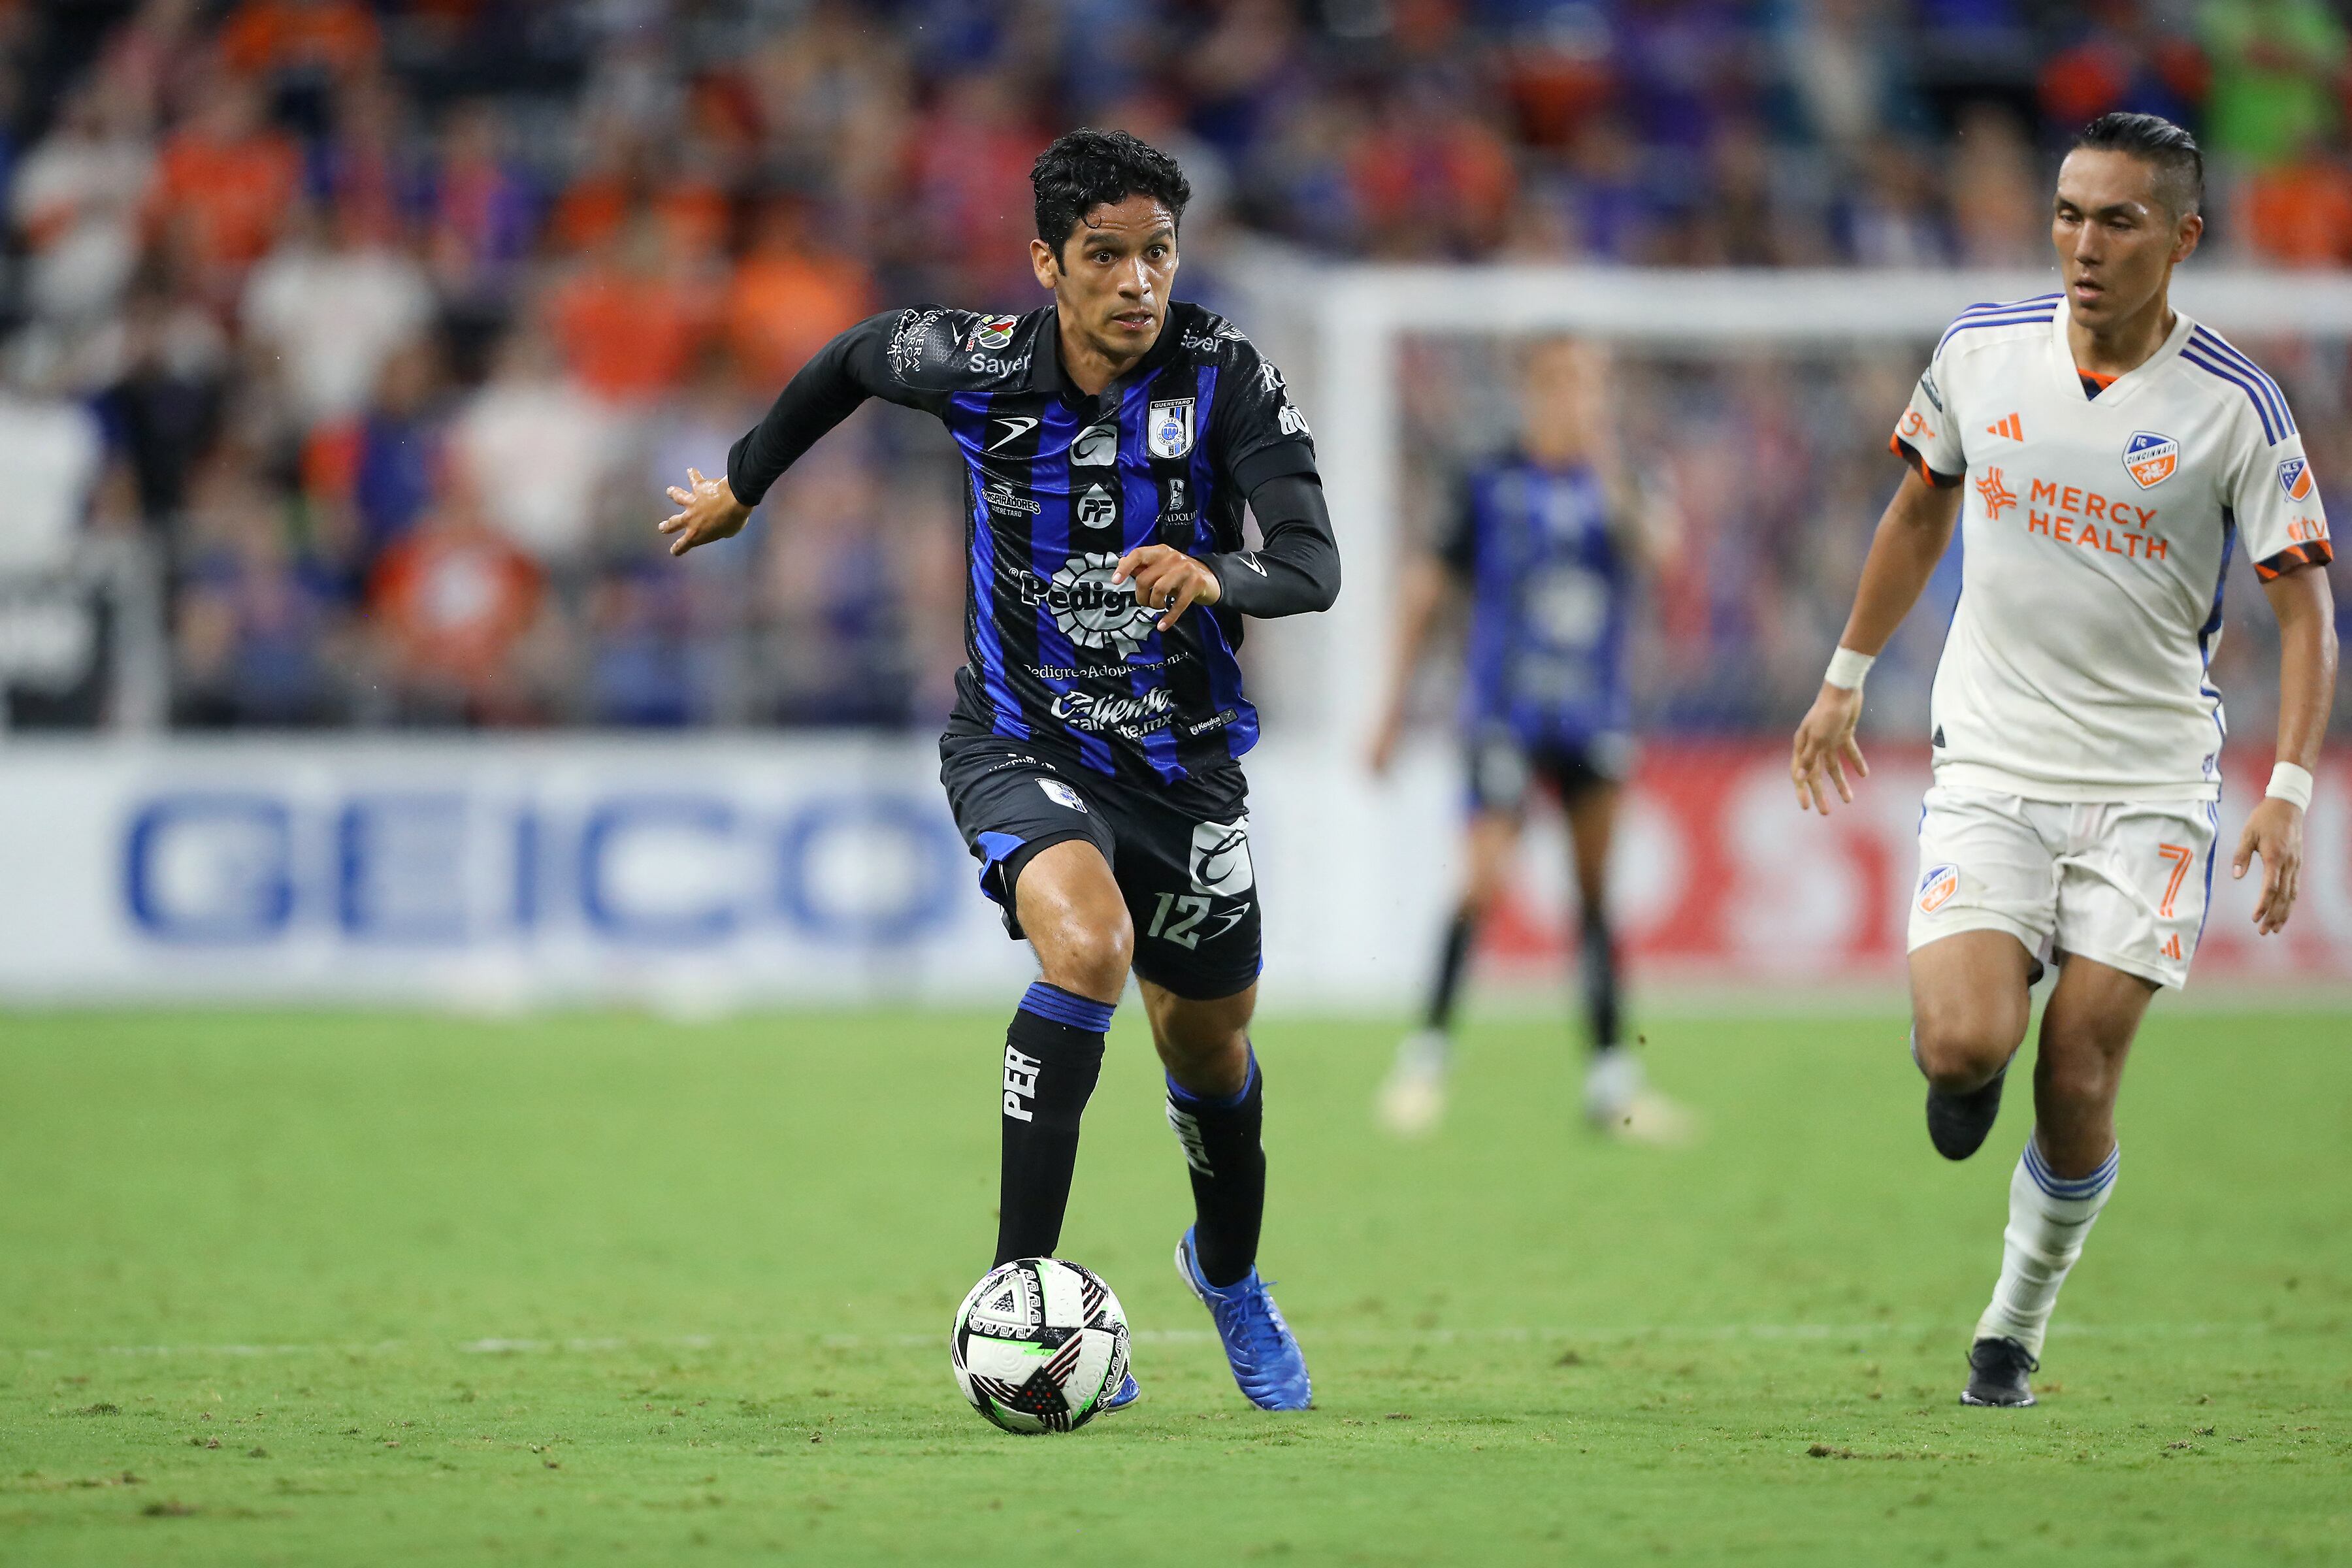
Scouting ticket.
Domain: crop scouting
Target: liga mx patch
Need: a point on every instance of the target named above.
(2294, 479)
(993, 331)
(1937, 887)
(2151, 459)
(1169, 430)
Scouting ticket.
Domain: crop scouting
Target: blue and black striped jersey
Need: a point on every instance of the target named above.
(1059, 485)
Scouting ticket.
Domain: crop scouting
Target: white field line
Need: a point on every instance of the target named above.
(1372, 1338)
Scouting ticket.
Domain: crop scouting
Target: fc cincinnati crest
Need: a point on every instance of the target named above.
(1937, 887)
(1169, 430)
(2150, 458)
(993, 331)
(2294, 479)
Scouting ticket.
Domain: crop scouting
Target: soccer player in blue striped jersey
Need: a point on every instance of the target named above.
(1110, 440)
(1549, 545)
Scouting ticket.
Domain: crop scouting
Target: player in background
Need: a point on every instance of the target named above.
(1547, 542)
(2106, 456)
(1110, 439)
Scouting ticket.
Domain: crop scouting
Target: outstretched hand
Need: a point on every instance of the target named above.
(2275, 832)
(1167, 579)
(711, 512)
(1825, 743)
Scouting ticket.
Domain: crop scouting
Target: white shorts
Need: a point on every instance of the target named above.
(2124, 882)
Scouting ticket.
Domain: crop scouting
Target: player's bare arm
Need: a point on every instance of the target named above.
(1911, 538)
(710, 511)
(1425, 588)
(2273, 831)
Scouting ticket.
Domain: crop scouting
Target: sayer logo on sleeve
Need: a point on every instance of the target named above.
(2294, 479)
(1169, 428)
(2150, 458)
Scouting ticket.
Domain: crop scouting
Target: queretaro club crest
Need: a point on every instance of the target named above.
(1168, 432)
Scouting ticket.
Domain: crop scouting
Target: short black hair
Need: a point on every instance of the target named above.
(1084, 170)
(2179, 164)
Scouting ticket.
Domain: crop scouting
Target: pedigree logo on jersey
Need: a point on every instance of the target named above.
(1091, 612)
(993, 331)
(2294, 479)
(2151, 459)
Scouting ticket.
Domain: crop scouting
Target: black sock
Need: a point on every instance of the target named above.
(1597, 970)
(1221, 1144)
(1053, 1054)
(1451, 958)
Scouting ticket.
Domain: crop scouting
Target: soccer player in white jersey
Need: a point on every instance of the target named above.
(2106, 456)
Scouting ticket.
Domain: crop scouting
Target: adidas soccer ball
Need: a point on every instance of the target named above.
(1039, 1345)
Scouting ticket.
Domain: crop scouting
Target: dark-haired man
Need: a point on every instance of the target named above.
(1110, 440)
(2106, 456)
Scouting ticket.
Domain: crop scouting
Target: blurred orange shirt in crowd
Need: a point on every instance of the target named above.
(2300, 214)
(230, 194)
(785, 305)
(627, 335)
(269, 35)
(692, 215)
(455, 598)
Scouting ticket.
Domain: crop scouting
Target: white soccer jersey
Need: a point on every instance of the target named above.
(2095, 534)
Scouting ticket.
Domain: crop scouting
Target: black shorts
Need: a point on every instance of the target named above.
(1503, 768)
(1186, 880)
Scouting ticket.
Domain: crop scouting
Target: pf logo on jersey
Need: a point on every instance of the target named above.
(2150, 458)
(1221, 859)
(1937, 887)
(2294, 479)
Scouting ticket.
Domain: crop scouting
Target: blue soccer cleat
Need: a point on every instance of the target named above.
(1127, 1395)
(1265, 1359)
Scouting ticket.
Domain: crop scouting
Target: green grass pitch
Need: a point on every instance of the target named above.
(357, 1288)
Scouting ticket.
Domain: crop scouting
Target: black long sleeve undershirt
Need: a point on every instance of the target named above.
(1297, 571)
(827, 391)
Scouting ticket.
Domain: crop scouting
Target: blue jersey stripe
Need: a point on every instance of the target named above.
(1051, 486)
(1225, 670)
(2017, 319)
(1990, 306)
(2221, 348)
(966, 418)
(1139, 522)
(2271, 434)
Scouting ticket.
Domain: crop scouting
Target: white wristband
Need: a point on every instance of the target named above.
(2289, 781)
(1847, 668)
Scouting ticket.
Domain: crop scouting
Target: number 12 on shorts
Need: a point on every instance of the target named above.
(1191, 910)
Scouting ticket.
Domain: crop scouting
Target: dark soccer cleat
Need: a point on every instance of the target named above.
(1958, 1124)
(1123, 1395)
(1997, 1370)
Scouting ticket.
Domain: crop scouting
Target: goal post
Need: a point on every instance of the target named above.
(1362, 315)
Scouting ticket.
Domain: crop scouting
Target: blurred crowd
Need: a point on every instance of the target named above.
(382, 326)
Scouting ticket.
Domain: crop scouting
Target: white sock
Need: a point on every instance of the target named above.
(2048, 1218)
